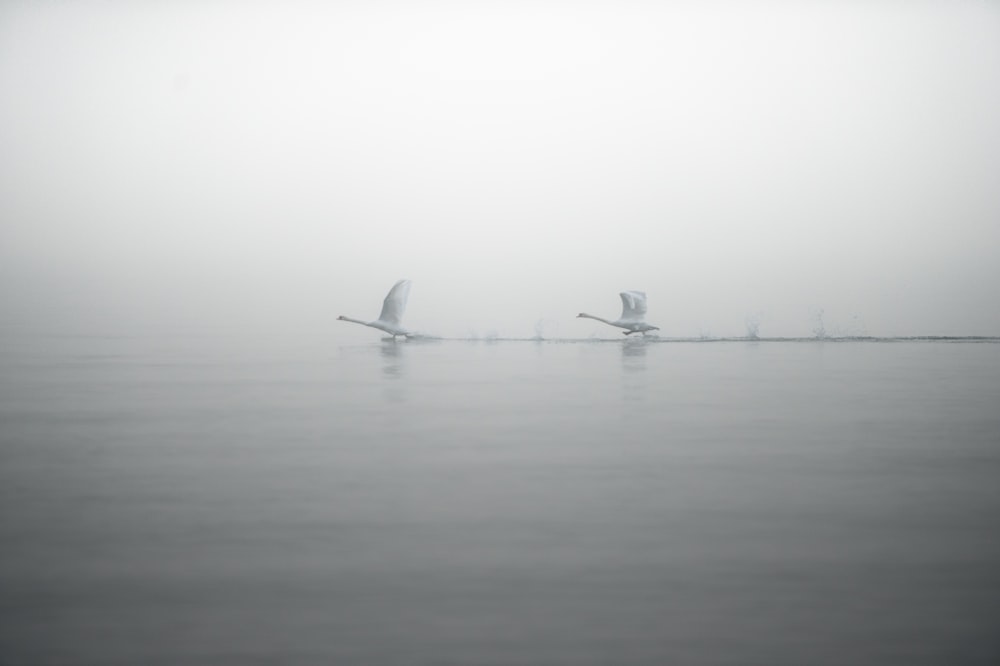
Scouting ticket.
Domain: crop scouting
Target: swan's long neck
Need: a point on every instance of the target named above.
(355, 321)
(590, 316)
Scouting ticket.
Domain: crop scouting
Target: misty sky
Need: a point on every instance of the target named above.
(271, 165)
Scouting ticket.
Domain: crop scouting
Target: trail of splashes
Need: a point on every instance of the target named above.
(825, 331)
(546, 329)
(489, 336)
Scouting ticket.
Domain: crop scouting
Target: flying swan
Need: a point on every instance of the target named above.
(633, 312)
(392, 311)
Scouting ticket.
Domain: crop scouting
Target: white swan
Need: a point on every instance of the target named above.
(633, 313)
(392, 311)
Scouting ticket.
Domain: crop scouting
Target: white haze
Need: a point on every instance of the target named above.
(226, 166)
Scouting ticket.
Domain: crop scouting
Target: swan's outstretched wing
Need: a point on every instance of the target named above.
(633, 305)
(395, 303)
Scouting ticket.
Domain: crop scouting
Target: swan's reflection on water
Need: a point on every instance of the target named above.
(393, 368)
(634, 382)
(392, 358)
(634, 354)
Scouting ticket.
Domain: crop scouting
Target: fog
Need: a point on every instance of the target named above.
(229, 167)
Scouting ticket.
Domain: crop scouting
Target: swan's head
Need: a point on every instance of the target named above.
(342, 317)
(581, 315)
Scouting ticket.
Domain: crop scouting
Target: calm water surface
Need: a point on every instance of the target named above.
(446, 502)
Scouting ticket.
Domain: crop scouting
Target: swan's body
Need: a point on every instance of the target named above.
(633, 314)
(390, 320)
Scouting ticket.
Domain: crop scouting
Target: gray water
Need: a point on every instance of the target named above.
(180, 501)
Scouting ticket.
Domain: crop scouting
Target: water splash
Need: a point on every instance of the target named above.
(540, 329)
(857, 327)
(488, 335)
(819, 329)
(752, 323)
